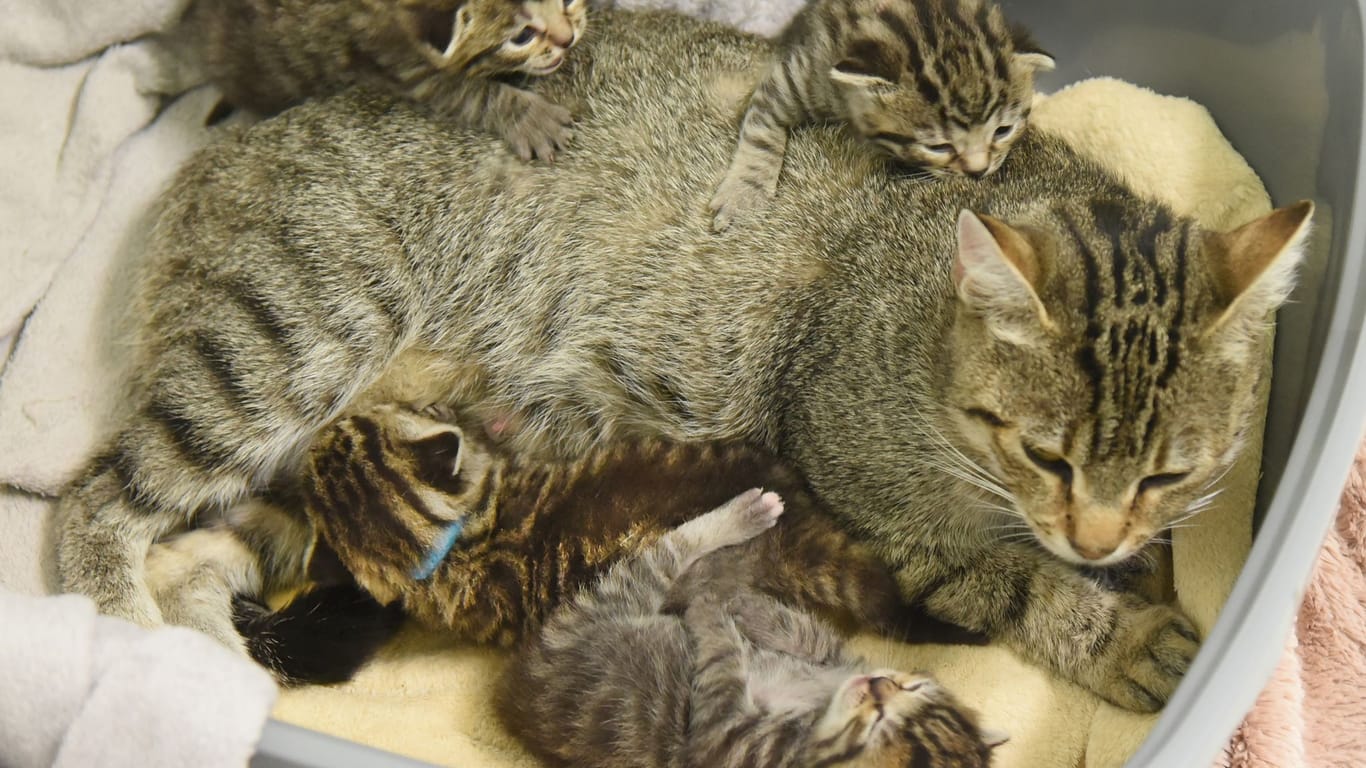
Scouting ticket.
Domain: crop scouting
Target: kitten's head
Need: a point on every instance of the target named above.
(945, 86)
(892, 718)
(486, 37)
(392, 491)
(1106, 361)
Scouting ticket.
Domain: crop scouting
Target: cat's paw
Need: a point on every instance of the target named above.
(750, 514)
(1149, 659)
(737, 196)
(541, 130)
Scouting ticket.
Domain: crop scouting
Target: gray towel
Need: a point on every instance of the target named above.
(78, 689)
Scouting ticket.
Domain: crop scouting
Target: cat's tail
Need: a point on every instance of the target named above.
(321, 637)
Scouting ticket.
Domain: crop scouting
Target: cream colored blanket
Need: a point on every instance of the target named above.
(428, 698)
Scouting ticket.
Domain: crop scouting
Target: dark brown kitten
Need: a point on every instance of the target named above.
(487, 544)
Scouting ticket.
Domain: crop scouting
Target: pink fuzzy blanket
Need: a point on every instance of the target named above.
(1313, 712)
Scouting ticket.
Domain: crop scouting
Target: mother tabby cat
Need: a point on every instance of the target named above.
(1082, 362)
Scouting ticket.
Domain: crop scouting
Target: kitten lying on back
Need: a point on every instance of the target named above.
(945, 85)
(617, 680)
(449, 55)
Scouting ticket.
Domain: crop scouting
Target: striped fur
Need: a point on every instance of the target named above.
(944, 85)
(358, 252)
(387, 488)
(451, 56)
(730, 677)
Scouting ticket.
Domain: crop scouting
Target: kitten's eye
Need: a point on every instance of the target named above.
(525, 36)
(1055, 465)
(1153, 482)
(1004, 132)
(940, 149)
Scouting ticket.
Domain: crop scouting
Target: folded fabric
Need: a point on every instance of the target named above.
(82, 689)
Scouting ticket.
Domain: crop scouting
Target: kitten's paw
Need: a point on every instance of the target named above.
(541, 130)
(751, 513)
(1150, 659)
(736, 197)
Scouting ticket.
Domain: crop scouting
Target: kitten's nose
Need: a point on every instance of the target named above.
(561, 34)
(975, 164)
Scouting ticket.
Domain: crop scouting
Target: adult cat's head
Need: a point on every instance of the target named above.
(1106, 361)
(892, 718)
(485, 37)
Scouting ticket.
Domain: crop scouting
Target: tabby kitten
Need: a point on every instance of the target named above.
(387, 250)
(617, 679)
(453, 57)
(486, 543)
(945, 85)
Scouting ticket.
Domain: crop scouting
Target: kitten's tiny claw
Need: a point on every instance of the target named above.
(541, 130)
(736, 196)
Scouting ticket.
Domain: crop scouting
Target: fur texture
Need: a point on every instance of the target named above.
(358, 253)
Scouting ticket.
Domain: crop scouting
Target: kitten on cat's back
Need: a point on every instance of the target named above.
(453, 57)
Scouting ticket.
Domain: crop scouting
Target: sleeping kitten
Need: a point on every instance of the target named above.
(944, 85)
(432, 514)
(614, 680)
(451, 56)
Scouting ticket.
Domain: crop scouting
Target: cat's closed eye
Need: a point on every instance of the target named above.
(1162, 480)
(983, 415)
(1049, 462)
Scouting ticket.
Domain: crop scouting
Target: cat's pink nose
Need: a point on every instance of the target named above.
(1093, 552)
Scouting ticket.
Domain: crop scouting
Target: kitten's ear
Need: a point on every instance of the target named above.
(996, 273)
(1028, 53)
(1034, 61)
(439, 32)
(437, 454)
(994, 737)
(1253, 267)
(866, 65)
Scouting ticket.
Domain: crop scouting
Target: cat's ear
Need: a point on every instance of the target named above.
(866, 66)
(439, 32)
(994, 737)
(997, 272)
(1252, 268)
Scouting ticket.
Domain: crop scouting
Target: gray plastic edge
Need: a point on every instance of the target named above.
(289, 746)
(1237, 659)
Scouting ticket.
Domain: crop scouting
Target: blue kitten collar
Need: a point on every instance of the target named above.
(440, 548)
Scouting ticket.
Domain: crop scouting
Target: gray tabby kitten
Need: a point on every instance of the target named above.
(451, 56)
(1073, 360)
(945, 85)
(614, 680)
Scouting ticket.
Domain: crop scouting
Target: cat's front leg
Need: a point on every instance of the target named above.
(532, 125)
(769, 623)
(1129, 651)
